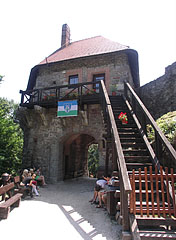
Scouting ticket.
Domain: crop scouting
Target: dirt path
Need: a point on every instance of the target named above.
(62, 211)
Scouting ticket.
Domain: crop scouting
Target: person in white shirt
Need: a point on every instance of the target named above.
(100, 184)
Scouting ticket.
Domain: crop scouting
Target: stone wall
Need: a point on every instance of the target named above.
(45, 136)
(59, 145)
(159, 96)
(114, 65)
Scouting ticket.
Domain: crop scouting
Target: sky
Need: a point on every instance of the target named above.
(31, 30)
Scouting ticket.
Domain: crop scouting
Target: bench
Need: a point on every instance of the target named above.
(21, 189)
(12, 201)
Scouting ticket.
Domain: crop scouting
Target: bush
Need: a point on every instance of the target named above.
(93, 160)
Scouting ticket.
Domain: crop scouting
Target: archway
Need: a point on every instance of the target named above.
(75, 152)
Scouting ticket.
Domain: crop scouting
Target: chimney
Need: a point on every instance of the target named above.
(65, 41)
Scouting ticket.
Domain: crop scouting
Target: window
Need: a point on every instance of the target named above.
(97, 78)
(73, 79)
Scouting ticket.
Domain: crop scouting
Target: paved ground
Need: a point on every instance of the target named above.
(62, 211)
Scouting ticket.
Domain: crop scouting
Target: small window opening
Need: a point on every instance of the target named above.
(73, 79)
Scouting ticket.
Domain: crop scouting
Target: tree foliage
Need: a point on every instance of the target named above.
(93, 160)
(167, 123)
(11, 138)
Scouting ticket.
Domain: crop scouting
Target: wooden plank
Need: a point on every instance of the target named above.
(134, 195)
(146, 188)
(153, 175)
(157, 190)
(167, 190)
(11, 200)
(131, 195)
(150, 221)
(149, 209)
(134, 227)
(6, 188)
(162, 190)
(157, 235)
(173, 193)
(140, 191)
(152, 190)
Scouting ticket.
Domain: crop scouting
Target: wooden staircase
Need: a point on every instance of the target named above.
(137, 157)
(134, 149)
(129, 150)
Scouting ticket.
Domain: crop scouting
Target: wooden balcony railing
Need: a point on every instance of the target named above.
(48, 97)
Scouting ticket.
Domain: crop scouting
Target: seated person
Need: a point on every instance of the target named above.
(25, 174)
(33, 184)
(113, 184)
(26, 178)
(40, 177)
(100, 184)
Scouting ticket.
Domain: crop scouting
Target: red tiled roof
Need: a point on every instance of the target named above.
(83, 48)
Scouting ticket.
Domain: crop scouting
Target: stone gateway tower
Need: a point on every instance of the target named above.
(59, 145)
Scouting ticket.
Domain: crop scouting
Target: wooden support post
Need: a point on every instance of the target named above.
(126, 223)
(134, 104)
(158, 146)
(143, 123)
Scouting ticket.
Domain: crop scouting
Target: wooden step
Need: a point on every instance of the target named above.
(157, 235)
(135, 165)
(137, 159)
(133, 145)
(136, 152)
(157, 221)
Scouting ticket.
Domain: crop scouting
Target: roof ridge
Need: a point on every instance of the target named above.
(86, 39)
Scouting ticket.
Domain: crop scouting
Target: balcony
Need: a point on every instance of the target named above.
(85, 93)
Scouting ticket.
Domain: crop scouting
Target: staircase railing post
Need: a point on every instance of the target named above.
(125, 89)
(124, 212)
(144, 124)
(22, 96)
(158, 146)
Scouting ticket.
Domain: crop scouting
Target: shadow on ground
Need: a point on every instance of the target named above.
(63, 211)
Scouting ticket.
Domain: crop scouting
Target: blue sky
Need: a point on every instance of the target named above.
(31, 30)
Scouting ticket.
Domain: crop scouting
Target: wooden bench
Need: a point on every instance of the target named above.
(12, 201)
(21, 189)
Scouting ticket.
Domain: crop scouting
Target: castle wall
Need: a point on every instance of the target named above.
(159, 96)
(114, 65)
(45, 135)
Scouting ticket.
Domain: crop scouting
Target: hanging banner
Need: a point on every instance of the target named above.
(67, 108)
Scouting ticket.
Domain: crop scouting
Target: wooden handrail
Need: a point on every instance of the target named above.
(158, 132)
(28, 95)
(120, 159)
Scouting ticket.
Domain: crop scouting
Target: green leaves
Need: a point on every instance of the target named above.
(93, 159)
(11, 138)
(167, 123)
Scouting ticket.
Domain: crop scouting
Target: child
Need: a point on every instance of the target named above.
(33, 184)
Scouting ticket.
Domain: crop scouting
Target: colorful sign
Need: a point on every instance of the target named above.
(67, 108)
